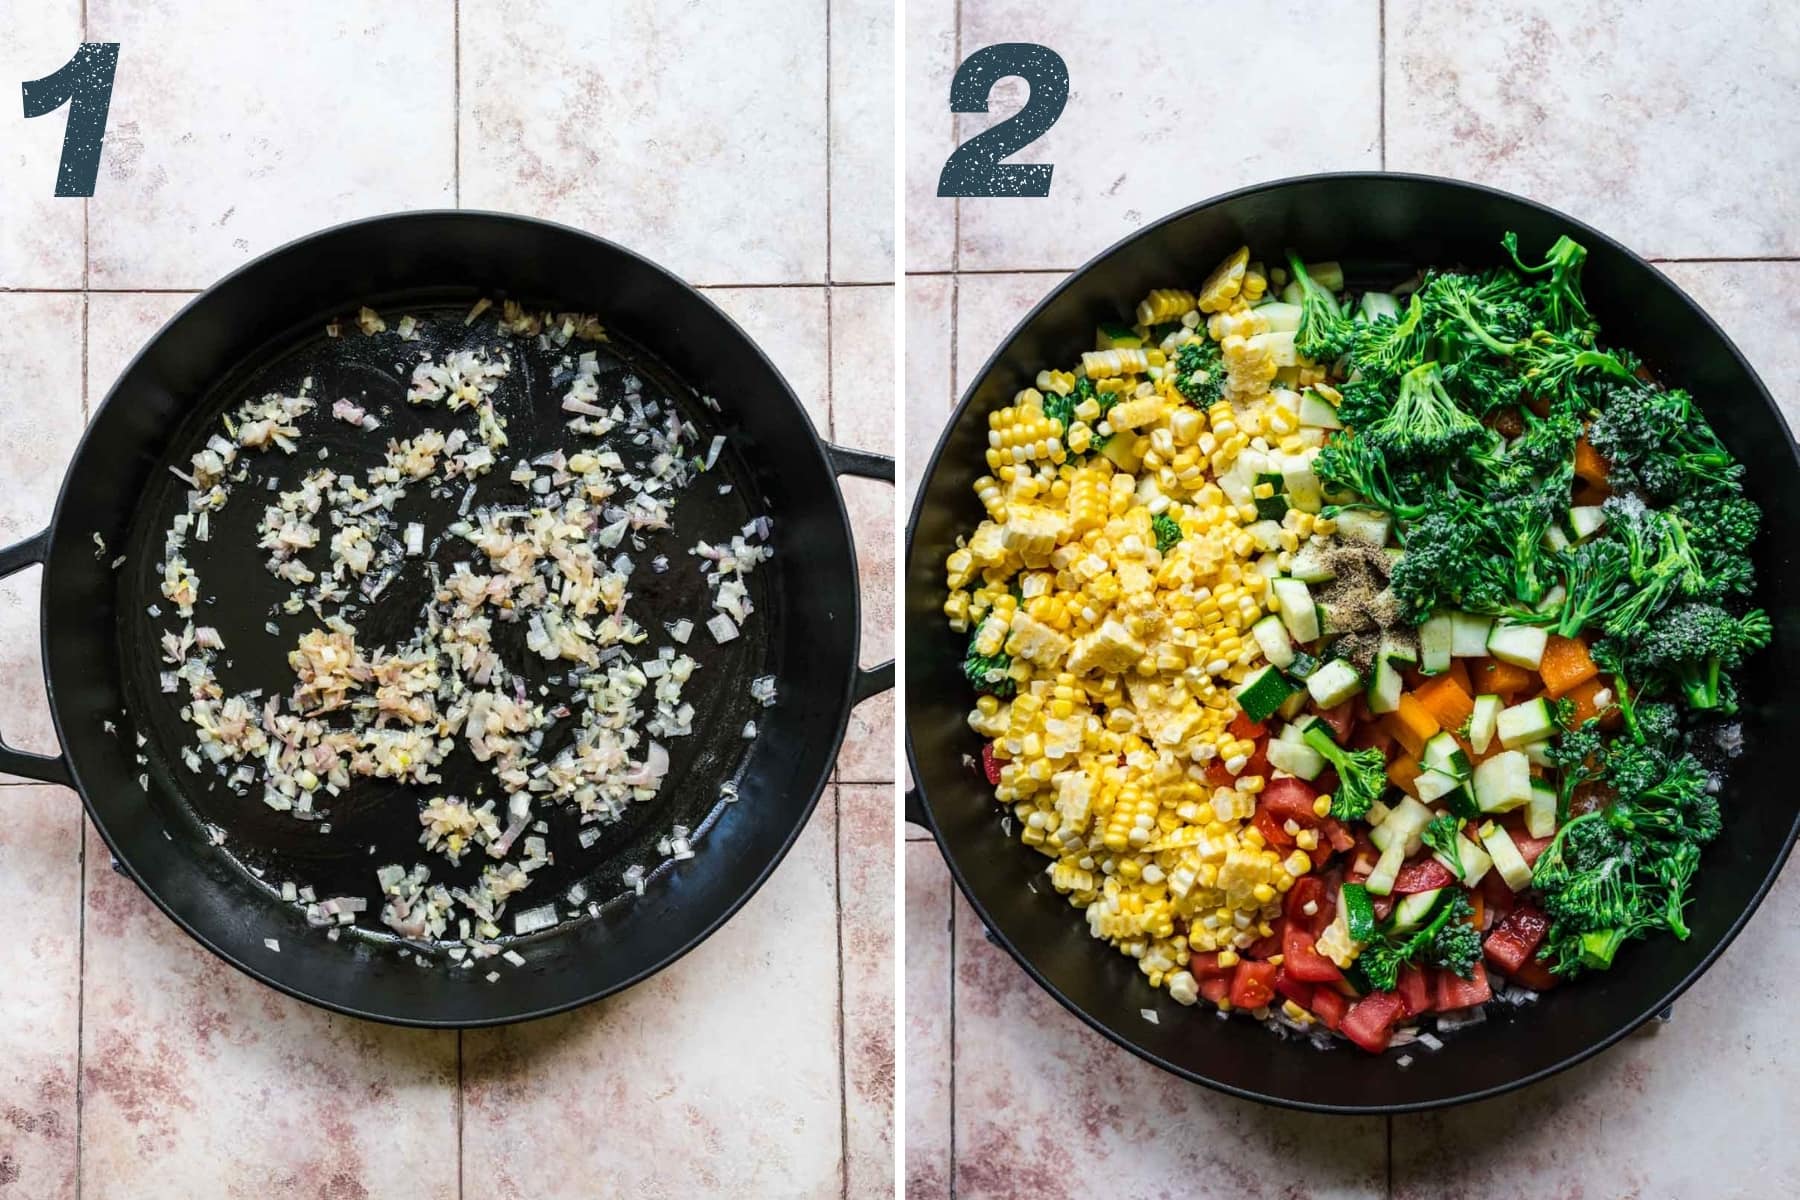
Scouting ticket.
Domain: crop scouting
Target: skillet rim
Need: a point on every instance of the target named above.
(820, 456)
(919, 806)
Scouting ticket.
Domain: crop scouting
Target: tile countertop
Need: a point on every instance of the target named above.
(1587, 105)
(134, 1064)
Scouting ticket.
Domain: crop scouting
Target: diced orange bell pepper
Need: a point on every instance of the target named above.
(1459, 671)
(1401, 773)
(1590, 465)
(1490, 675)
(1446, 701)
(1565, 665)
(1582, 696)
(1410, 724)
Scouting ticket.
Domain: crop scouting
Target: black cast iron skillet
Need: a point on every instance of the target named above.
(213, 860)
(1381, 226)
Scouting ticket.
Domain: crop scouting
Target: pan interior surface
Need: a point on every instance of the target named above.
(1382, 227)
(374, 822)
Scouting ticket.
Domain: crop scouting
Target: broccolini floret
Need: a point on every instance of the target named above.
(1200, 372)
(1167, 531)
(1362, 774)
(1326, 331)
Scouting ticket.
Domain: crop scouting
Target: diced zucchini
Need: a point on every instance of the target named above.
(1392, 649)
(1364, 525)
(1432, 784)
(1297, 611)
(1278, 345)
(1555, 538)
(1385, 687)
(1355, 911)
(1378, 812)
(1381, 881)
(1443, 752)
(1272, 636)
(1538, 754)
(1328, 275)
(1236, 480)
(1503, 782)
(1540, 812)
(1111, 335)
(1585, 521)
(1333, 683)
(1262, 693)
(1410, 912)
(1317, 412)
(1524, 723)
(1266, 532)
(1270, 508)
(1461, 802)
(1407, 823)
(1375, 305)
(1292, 292)
(1296, 758)
(1473, 861)
(1435, 639)
(1309, 565)
(1507, 859)
(1303, 665)
(1469, 634)
(1294, 705)
(1520, 645)
(1481, 724)
(1280, 315)
(1553, 599)
(1303, 489)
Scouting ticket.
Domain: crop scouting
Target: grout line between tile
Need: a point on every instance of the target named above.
(837, 865)
(1381, 80)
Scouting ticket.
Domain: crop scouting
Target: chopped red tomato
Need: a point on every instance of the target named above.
(1308, 889)
(1302, 961)
(1337, 834)
(1293, 987)
(1497, 894)
(1217, 776)
(1370, 1023)
(1258, 762)
(1422, 875)
(1243, 727)
(1215, 989)
(1370, 736)
(1291, 799)
(1206, 966)
(1383, 906)
(1535, 975)
(1254, 984)
(989, 765)
(1341, 719)
(1329, 1005)
(1515, 938)
(1414, 989)
(1271, 945)
(1453, 991)
(1270, 826)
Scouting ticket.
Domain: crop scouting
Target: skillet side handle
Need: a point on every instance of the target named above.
(870, 681)
(914, 808)
(43, 768)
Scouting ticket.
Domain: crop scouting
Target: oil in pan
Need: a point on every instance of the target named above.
(345, 847)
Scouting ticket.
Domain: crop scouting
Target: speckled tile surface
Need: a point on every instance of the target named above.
(718, 1076)
(582, 113)
(40, 239)
(190, 1066)
(40, 422)
(862, 141)
(931, 58)
(862, 418)
(928, 993)
(866, 945)
(40, 981)
(1615, 112)
(203, 170)
(1006, 1093)
(756, 1067)
(1161, 115)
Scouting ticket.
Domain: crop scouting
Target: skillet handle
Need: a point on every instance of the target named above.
(870, 681)
(44, 768)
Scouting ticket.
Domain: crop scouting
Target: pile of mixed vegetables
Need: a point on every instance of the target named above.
(1341, 650)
